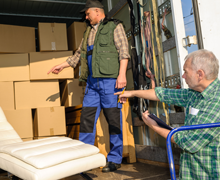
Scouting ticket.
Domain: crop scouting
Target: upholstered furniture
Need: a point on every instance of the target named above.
(45, 159)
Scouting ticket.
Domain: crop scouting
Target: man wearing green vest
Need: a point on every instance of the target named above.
(104, 55)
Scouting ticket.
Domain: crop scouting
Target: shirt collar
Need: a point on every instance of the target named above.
(96, 25)
(209, 91)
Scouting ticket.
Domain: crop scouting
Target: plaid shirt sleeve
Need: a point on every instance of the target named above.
(193, 140)
(73, 60)
(172, 96)
(121, 42)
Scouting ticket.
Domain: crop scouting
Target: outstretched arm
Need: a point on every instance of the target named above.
(146, 94)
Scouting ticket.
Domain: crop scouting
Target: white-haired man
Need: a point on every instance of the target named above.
(200, 158)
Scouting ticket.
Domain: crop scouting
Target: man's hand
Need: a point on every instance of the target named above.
(123, 97)
(121, 81)
(148, 121)
(58, 68)
(154, 126)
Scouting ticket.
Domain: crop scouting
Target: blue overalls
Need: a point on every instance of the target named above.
(99, 94)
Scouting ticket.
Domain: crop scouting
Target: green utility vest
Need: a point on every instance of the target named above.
(105, 60)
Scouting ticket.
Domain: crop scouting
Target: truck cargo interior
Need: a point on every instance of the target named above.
(40, 112)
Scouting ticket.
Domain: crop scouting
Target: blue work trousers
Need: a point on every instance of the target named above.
(99, 94)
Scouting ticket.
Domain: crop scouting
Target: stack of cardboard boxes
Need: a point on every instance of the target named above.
(33, 101)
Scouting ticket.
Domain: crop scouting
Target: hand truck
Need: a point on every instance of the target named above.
(168, 143)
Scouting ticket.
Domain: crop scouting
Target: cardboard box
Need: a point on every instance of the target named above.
(43, 137)
(42, 62)
(14, 67)
(75, 34)
(34, 94)
(72, 92)
(22, 122)
(27, 139)
(52, 36)
(7, 96)
(17, 39)
(49, 121)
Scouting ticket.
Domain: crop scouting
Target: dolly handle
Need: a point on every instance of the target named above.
(168, 142)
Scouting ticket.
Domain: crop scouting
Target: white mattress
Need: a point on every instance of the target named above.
(28, 172)
(48, 152)
(45, 159)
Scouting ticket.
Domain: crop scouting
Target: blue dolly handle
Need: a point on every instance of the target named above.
(168, 142)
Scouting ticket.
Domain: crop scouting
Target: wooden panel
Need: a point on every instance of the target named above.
(127, 122)
(72, 118)
(73, 131)
(73, 115)
(128, 138)
(102, 135)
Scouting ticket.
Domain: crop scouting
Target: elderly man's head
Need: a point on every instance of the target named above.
(206, 61)
(200, 67)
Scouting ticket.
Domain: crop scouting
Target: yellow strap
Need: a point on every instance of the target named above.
(160, 53)
(154, 60)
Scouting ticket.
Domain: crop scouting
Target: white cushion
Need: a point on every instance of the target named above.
(28, 172)
(45, 159)
(48, 152)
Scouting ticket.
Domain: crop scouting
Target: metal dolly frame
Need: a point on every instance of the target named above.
(168, 143)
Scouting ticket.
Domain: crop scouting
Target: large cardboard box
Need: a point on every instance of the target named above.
(42, 62)
(34, 94)
(52, 36)
(14, 67)
(7, 96)
(75, 34)
(49, 121)
(27, 139)
(22, 122)
(44, 137)
(72, 92)
(17, 39)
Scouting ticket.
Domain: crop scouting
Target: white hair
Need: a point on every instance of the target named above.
(206, 61)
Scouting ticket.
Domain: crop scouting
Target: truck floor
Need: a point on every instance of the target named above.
(135, 171)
